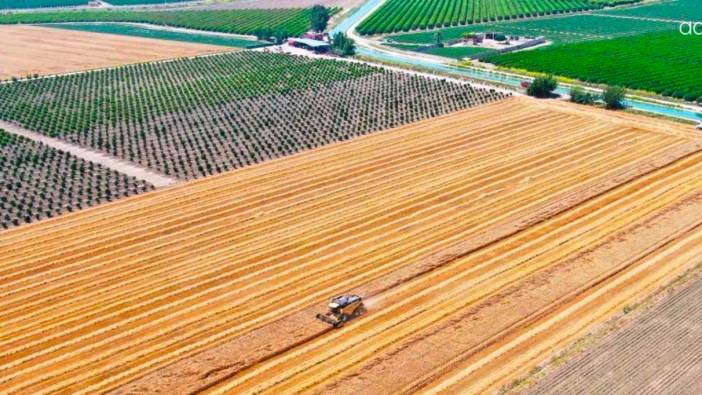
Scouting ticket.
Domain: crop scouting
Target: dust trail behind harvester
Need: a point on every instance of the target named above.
(372, 304)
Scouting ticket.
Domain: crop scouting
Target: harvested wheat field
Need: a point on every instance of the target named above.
(479, 240)
(29, 50)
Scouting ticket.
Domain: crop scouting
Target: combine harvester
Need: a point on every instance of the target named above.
(341, 309)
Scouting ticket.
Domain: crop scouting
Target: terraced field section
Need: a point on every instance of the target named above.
(403, 15)
(196, 117)
(460, 232)
(294, 21)
(665, 63)
(37, 182)
(30, 50)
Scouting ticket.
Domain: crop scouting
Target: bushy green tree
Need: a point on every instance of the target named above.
(542, 87)
(580, 96)
(614, 97)
(319, 18)
(690, 97)
(263, 33)
(342, 45)
(280, 36)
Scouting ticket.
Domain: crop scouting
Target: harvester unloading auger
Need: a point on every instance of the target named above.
(341, 309)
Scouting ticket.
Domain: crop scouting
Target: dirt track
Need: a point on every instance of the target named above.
(29, 50)
(464, 234)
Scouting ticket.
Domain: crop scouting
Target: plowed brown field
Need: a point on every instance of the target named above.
(655, 352)
(29, 50)
(479, 240)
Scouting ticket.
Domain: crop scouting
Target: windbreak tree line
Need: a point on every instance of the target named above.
(195, 117)
(37, 181)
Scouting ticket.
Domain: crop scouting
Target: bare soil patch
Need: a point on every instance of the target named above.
(29, 50)
(656, 352)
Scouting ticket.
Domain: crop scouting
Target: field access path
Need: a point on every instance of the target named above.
(129, 168)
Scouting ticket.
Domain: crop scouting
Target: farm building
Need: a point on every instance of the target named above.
(309, 44)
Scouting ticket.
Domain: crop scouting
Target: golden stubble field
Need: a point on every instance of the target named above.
(29, 50)
(479, 240)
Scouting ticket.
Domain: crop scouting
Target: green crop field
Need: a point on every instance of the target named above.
(23, 4)
(294, 21)
(565, 29)
(558, 30)
(678, 10)
(405, 15)
(126, 29)
(666, 63)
